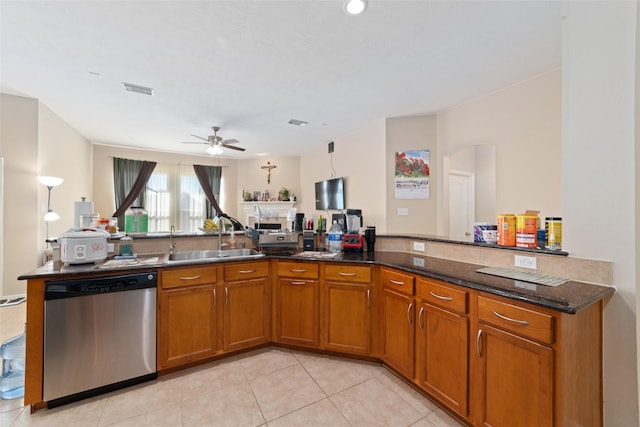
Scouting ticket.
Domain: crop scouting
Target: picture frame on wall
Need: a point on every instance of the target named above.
(412, 170)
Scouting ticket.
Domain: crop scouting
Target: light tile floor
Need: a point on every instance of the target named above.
(268, 387)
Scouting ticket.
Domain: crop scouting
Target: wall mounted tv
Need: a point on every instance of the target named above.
(330, 194)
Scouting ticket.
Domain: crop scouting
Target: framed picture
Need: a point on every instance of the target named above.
(412, 168)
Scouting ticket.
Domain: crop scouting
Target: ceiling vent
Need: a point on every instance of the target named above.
(138, 89)
(298, 122)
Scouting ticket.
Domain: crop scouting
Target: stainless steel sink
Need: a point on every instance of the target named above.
(214, 255)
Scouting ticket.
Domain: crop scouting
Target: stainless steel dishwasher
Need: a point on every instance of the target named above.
(99, 335)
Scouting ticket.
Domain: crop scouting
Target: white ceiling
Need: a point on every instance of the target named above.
(250, 66)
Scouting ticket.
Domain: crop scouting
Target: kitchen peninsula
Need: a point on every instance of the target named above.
(468, 340)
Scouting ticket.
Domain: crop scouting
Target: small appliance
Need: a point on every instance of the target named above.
(352, 240)
(84, 245)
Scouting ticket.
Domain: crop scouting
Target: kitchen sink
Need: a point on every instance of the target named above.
(213, 255)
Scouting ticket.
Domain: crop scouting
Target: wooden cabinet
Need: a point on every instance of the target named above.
(398, 318)
(296, 304)
(187, 315)
(443, 343)
(247, 314)
(347, 308)
(515, 372)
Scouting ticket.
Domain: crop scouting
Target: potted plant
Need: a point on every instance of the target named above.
(284, 194)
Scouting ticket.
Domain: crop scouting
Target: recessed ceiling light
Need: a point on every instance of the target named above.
(138, 89)
(298, 122)
(355, 7)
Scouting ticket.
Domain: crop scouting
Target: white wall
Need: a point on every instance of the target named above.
(21, 217)
(523, 122)
(403, 134)
(64, 153)
(359, 157)
(34, 141)
(598, 176)
(251, 176)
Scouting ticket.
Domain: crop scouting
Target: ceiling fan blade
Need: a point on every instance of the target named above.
(193, 142)
(229, 141)
(233, 147)
(196, 136)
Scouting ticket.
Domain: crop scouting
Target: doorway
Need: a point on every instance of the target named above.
(461, 204)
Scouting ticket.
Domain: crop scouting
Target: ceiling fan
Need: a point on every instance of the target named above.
(215, 143)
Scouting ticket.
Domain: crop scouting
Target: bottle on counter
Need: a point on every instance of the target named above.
(12, 379)
(335, 237)
(232, 241)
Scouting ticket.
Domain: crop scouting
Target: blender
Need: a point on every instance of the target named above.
(352, 240)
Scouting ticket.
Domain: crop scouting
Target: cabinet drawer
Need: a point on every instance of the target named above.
(442, 295)
(397, 281)
(347, 273)
(245, 270)
(307, 270)
(522, 321)
(190, 276)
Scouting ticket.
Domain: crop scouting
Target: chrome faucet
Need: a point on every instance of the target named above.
(220, 230)
(172, 246)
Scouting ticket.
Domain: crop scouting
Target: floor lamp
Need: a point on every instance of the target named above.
(50, 182)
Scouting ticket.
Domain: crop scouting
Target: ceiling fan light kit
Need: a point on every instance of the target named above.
(215, 143)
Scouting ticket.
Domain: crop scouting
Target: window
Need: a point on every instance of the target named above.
(174, 197)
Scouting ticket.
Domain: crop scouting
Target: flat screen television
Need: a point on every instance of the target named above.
(330, 194)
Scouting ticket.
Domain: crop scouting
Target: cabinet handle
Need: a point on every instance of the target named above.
(420, 318)
(440, 296)
(214, 298)
(409, 313)
(246, 271)
(226, 296)
(190, 277)
(509, 319)
(396, 282)
(478, 338)
(295, 282)
(368, 298)
(300, 270)
(346, 274)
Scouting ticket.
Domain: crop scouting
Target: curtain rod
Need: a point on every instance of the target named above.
(174, 163)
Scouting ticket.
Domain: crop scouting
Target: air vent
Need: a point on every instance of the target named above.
(138, 89)
(298, 122)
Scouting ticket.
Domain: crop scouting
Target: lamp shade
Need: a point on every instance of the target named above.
(50, 181)
(51, 216)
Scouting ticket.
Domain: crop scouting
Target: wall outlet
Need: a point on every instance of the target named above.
(418, 262)
(110, 247)
(526, 262)
(403, 211)
(418, 246)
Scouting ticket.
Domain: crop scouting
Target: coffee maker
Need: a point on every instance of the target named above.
(352, 240)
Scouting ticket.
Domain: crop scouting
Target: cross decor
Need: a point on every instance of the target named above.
(268, 167)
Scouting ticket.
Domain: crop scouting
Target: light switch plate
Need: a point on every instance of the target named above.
(110, 247)
(403, 211)
(529, 262)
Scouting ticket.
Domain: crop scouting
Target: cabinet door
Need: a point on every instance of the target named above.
(348, 317)
(246, 314)
(442, 356)
(517, 380)
(187, 325)
(296, 313)
(398, 319)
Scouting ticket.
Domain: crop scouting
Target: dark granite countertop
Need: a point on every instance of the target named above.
(569, 297)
